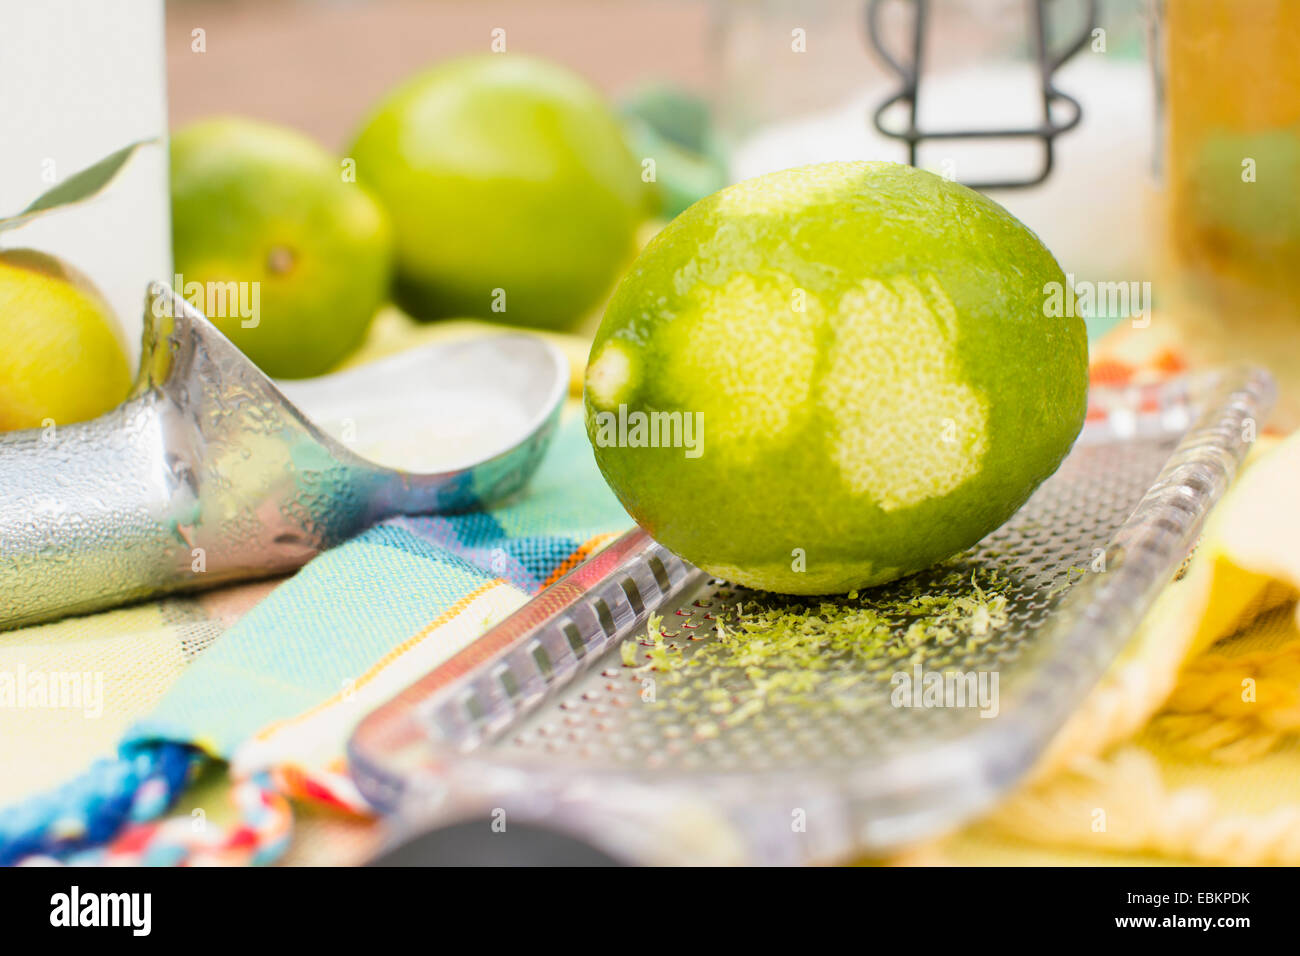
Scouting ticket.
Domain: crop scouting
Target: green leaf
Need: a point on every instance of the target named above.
(76, 188)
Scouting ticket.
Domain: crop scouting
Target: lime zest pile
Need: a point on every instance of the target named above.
(1073, 576)
(812, 654)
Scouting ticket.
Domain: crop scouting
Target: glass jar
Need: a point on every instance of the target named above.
(1231, 274)
(804, 81)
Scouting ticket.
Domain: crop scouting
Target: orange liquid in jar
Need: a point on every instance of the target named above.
(1232, 167)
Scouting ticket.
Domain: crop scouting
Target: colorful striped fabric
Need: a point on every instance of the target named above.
(278, 693)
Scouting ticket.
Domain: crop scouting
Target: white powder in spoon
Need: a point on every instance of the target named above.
(441, 430)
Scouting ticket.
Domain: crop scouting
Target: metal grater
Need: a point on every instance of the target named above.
(540, 719)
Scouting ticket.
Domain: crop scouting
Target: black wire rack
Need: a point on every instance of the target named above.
(1048, 62)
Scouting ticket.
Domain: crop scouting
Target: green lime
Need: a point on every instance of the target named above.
(63, 359)
(511, 189)
(829, 377)
(275, 244)
(1244, 185)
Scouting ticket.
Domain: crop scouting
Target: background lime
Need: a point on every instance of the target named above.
(867, 349)
(63, 357)
(256, 203)
(503, 172)
(1262, 210)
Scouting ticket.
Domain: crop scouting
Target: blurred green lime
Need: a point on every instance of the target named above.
(276, 244)
(1262, 208)
(512, 191)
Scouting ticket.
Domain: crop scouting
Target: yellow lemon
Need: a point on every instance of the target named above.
(63, 358)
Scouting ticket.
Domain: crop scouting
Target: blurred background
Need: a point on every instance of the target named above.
(788, 82)
(320, 64)
(1126, 133)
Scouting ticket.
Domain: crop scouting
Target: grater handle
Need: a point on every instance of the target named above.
(482, 842)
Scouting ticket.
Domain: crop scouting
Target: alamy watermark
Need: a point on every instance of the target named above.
(638, 429)
(1096, 300)
(133, 911)
(930, 689)
(53, 690)
(217, 300)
